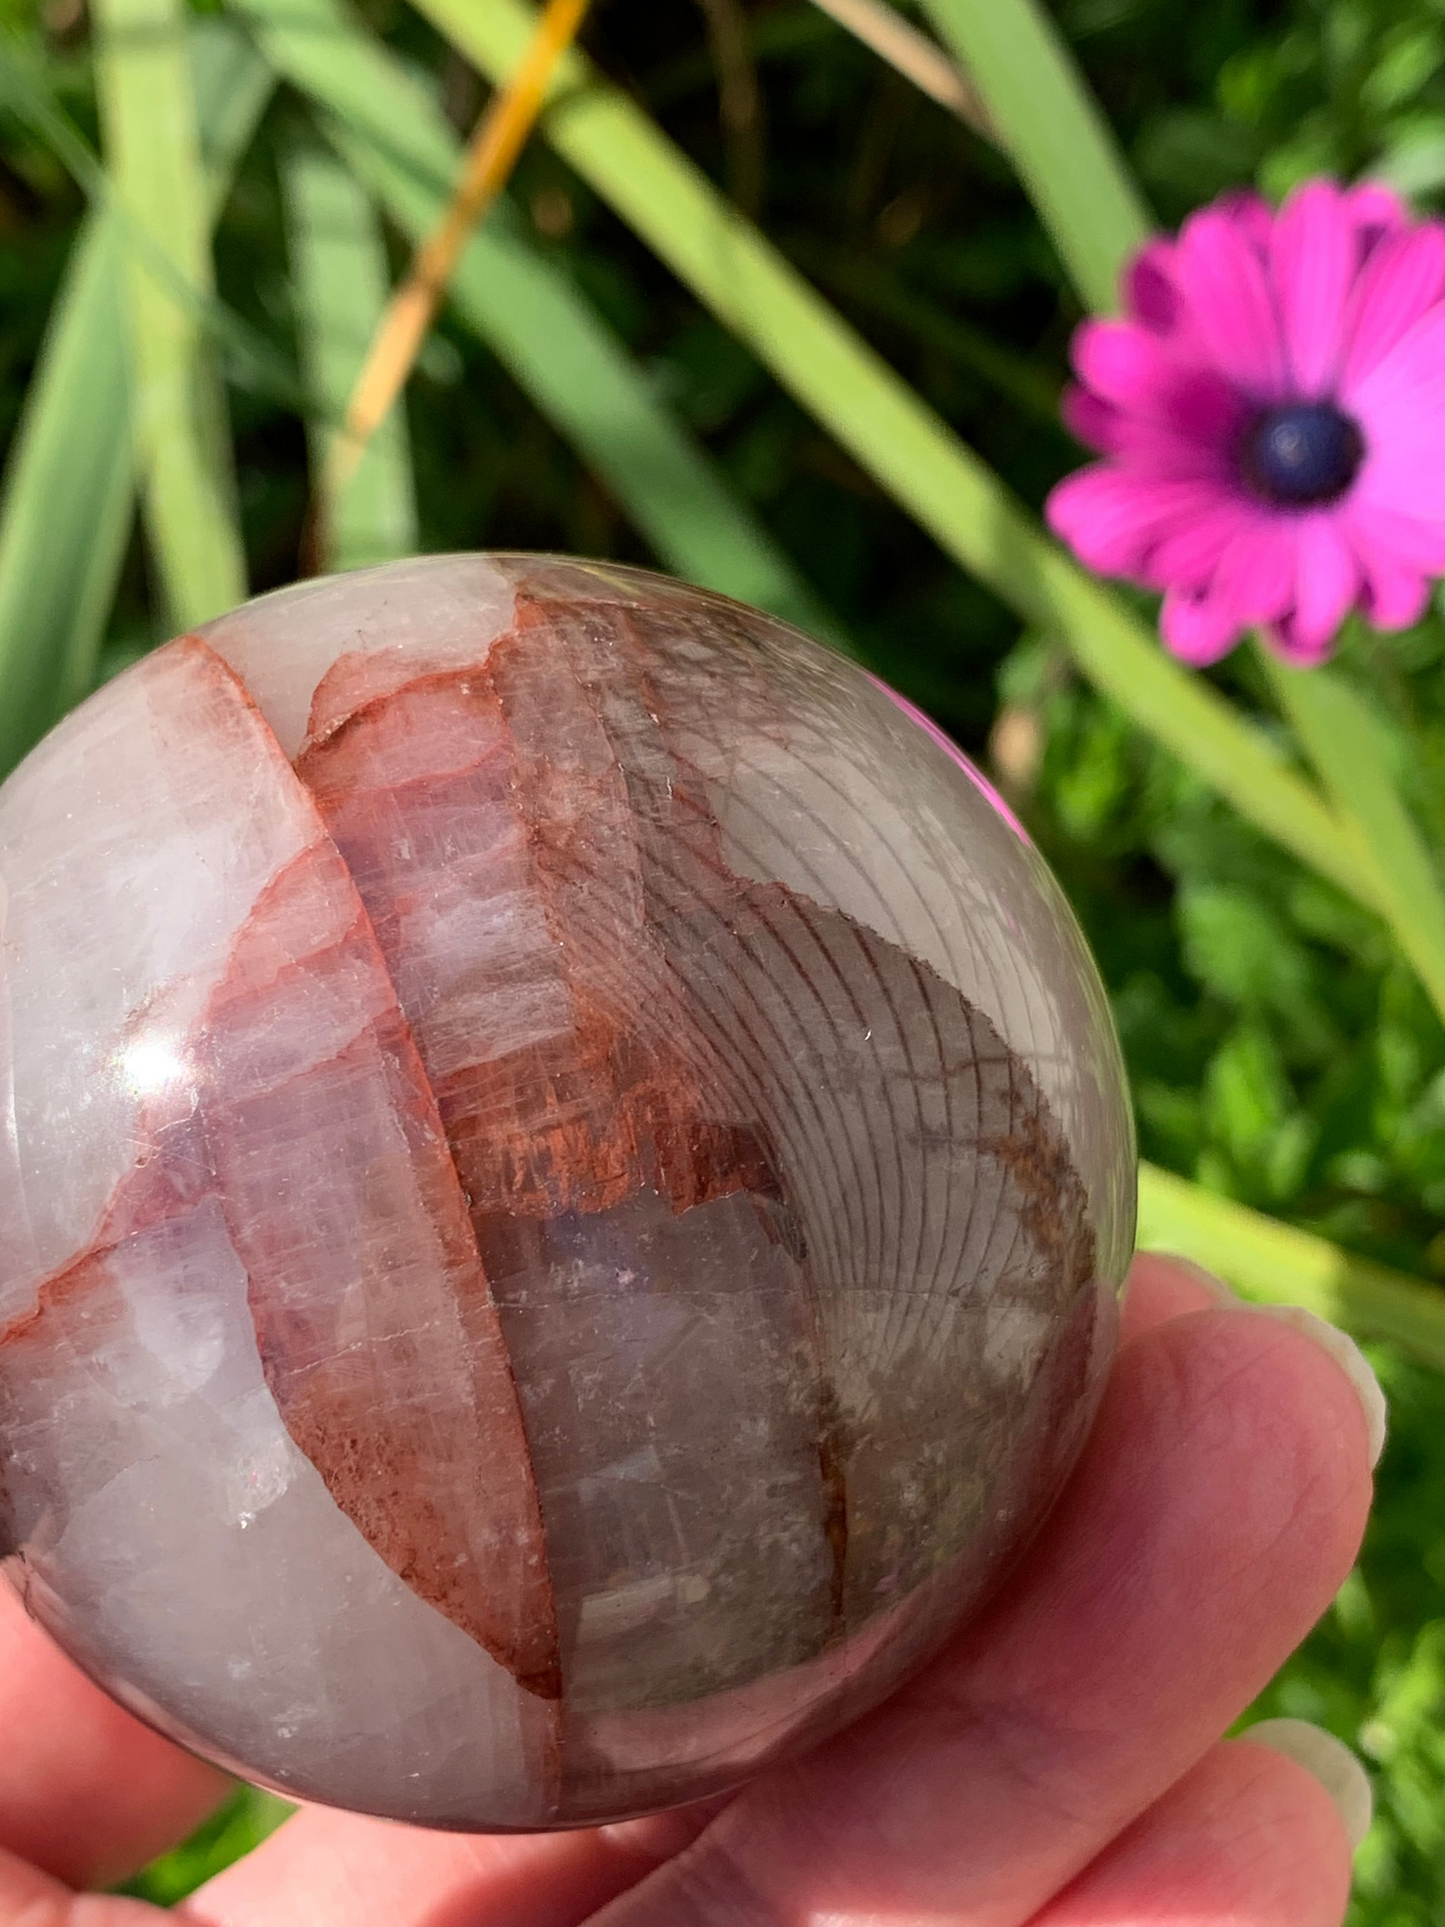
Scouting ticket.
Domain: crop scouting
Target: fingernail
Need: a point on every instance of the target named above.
(1330, 1761)
(1351, 1361)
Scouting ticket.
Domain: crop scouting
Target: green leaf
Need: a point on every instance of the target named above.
(253, 360)
(742, 279)
(1054, 132)
(233, 86)
(1348, 746)
(339, 279)
(535, 321)
(872, 285)
(65, 514)
(148, 110)
(1247, 1097)
(1278, 1264)
(1237, 947)
(69, 492)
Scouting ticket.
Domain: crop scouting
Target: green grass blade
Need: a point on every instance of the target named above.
(872, 285)
(253, 360)
(737, 274)
(340, 278)
(546, 333)
(148, 110)
(589, 387)
(1347, 745)
(69, 493)
(65, 514)
(233, 86)
(1053, 130)
(1278, 1264)
(595, 393)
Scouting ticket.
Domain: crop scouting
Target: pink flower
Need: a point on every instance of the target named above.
(1272, 416)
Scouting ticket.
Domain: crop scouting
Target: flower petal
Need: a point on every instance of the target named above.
(1252, 214)
(1111, 518)
(1154, 450)
(1411, 375)
(1223, 278)
(1090, 420)
(1187, 555)
(1120, 361)
(1313, 258)
(1401, 281)
(1402, 471)
(1395, 595)
(1283, 638)
(1258, 570)
(1198, 629)
(1400, 406)
(1201, 407)
(1175, 416)
(1375, 210)
(1151, 297)
(1404, 541)
(1327, 583)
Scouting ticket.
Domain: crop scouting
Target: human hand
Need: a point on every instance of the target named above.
(1059, 1764)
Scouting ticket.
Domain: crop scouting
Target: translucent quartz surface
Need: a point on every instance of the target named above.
(564, 1181)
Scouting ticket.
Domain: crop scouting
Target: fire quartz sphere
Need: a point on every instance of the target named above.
(564, 1181)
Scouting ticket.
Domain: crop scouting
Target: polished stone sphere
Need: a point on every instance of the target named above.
(565, 1179)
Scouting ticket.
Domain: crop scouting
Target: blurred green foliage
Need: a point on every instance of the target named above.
(1280, 1051)
(1282, 1054)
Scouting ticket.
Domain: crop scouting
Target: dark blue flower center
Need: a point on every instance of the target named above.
(1302, 454)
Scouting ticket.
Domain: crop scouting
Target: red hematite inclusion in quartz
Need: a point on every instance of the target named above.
(565, 1184)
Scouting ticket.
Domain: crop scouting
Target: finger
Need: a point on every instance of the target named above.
(32, 1898)
(86, 1791)
(1161, 1288)
(1218, 1507)
(327, 1869)
(1246, 1835)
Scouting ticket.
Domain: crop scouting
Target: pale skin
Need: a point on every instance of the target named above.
(1060, 1765)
